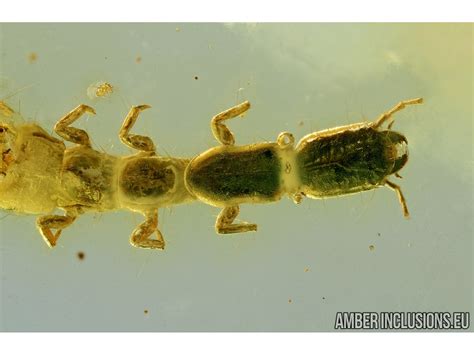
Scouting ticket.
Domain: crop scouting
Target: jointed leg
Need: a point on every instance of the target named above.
(46, 223)
(400, 106)
(72, 134)
(224, 223)
(401, 198)
(134, 140)
(220, 130)
(140, 237)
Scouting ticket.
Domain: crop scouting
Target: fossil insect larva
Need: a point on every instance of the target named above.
(333, 162)
(38, 173)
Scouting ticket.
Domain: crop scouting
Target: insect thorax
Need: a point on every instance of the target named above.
(224, 175)
(151, 181)
(88, 178)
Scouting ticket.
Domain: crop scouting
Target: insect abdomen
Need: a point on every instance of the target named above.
(225, 174)
(345, 162)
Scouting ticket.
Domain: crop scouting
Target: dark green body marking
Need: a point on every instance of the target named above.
(348, 161)
(236, 172)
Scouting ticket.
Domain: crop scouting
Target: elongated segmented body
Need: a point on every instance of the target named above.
(334, 162)
(38, 173)
(104, 182)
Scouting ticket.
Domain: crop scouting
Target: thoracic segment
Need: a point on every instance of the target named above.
(227, 173)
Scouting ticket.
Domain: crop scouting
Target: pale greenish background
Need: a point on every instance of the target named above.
(299, 78)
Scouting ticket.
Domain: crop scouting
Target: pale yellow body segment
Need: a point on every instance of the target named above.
(33, 160)
(39, 174)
